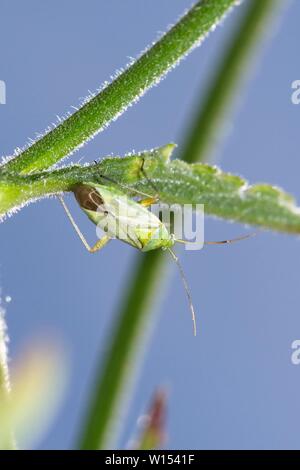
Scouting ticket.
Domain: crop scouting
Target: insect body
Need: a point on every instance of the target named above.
(123, 218)
(128, 220)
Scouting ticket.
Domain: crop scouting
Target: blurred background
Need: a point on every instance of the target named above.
(234, 385)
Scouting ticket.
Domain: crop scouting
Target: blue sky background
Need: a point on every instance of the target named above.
(234, 385)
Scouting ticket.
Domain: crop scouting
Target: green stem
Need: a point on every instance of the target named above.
(206, 125)
(123, 354)
(7, 441)
(125, 89)
(96, 429)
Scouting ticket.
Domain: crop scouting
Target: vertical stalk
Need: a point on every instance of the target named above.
(211, 113)
(135, 309)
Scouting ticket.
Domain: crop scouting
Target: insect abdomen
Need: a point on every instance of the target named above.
(160, 238)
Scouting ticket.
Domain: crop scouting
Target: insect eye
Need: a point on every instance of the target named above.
(88, 198)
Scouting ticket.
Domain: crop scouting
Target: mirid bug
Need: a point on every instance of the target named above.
(130, 221)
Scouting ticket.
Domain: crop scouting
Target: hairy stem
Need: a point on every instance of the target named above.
(149, 266)
(127, 88)
(7, 441)
(176, 182)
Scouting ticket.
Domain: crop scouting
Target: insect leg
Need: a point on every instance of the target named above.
(148, 201)
(154, 198)
(186, 288)
(98, 245)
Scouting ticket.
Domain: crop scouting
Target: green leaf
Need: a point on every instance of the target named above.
(224, 195)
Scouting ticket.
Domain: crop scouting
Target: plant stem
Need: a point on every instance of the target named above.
(96, 428)
(7, 441)
(127, 88)
(122, 356)
(223, 195)
(206, 125)
(17, 190)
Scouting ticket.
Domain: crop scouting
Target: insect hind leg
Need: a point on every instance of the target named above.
(99, 244)
(91, 249)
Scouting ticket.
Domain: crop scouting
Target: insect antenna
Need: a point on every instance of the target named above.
(232, 240)
(221, 242)
(186, 288)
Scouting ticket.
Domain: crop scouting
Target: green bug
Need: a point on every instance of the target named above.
(128, 220)
(123, 218)
(138, 227)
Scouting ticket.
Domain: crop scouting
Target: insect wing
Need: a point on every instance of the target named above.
(128, 221)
